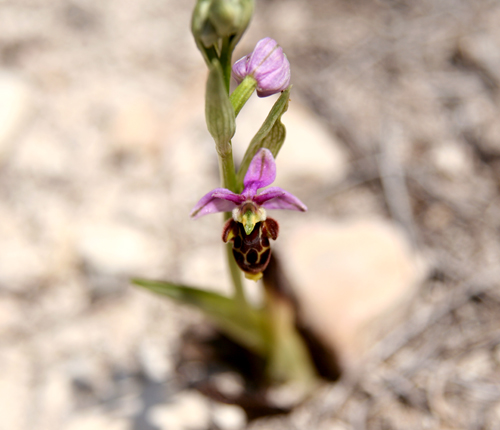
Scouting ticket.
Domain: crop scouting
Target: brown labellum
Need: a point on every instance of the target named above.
(253, 251)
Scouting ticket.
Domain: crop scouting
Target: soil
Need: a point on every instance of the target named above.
(106, 152)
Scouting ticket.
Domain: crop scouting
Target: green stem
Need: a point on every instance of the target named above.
(228, 179)
(242, 93)
(239, 291)
(226, 168)
(225, 61)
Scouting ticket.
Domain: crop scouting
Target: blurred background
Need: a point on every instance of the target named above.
(393, 143)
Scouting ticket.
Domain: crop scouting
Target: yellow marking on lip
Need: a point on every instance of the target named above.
(253, 276)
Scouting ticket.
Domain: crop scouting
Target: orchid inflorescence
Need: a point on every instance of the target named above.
(217, 26)
(266, 70)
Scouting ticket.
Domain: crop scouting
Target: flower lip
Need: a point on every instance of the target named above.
(260, 174)
(251, 251)
(268, 65)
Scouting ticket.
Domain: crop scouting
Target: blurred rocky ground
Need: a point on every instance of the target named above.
(393, 143)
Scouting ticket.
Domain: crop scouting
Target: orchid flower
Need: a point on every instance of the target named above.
(268, 65)
(250, 229)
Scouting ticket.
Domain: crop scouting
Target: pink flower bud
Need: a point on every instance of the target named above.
(268, 65)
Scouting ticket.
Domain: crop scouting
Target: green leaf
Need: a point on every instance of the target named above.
(289, 359)
(245, 328)
(271, 135)
(219, 112)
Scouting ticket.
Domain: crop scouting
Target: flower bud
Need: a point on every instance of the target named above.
(225, 16)
(268, 65)
(202, 29)
(214, 20)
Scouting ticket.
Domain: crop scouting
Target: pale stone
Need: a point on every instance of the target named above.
(286, 395)
(15, 387)
(333, 425)
(189, 410)
(81, 367)
(156, 362)
(96, 421)
(451, 159)
(189, 163)
(492, 136)
(205, 267)
(228, 417)
(495, 414)
(190, 160)
(15, 97)
(55, 400)
(40, 154)
(438, 216)
(347, 275)
(111, 331)
(115, 249)
(230, 384)
(62, 301)
(476, 365)
(11, 315)
(481, 49)
(309, 151)
(136, 128)
(23, 266)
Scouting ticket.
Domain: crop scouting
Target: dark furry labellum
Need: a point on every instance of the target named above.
(253, 251)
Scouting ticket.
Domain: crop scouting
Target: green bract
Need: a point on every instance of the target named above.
(270, 135)
(219, 112)
(201, 27)
(220, 22)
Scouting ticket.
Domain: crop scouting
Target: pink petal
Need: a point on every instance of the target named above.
(274, 81)
(278, 198)
(268, 65)
(261, 172)
(218, 200)
(240, 69)
(265, 56)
